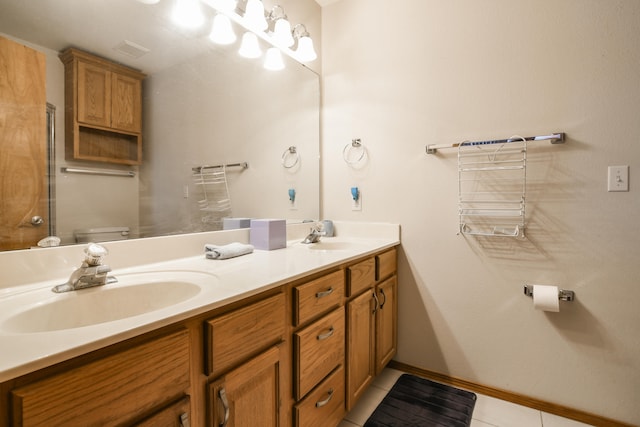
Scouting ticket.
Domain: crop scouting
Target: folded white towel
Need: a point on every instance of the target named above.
(227, 251)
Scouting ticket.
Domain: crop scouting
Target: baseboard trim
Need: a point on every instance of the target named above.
(541, 405)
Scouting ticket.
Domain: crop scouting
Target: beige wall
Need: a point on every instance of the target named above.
(401, 75)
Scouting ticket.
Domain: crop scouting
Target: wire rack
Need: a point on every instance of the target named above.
(492, 188)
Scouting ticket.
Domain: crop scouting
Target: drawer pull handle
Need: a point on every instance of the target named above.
(327, 335)
(225, 405)
(385, 299)
(324, 293)
(324, 402)
(184, 420)
(377, 303)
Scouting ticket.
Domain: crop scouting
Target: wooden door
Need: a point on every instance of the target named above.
(94, 95)
(126, 103)
(386, 322)
(23, 152)
(360, 346)
(249, 395)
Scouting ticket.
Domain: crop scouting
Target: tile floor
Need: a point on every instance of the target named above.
(488, 411)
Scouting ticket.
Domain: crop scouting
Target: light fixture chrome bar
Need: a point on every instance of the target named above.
(555, 138)
(90, 171)
(243, 165)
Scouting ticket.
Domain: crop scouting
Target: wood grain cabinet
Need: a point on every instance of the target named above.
(244, 357)
(123, 388)
(103, 112)
(300, 355)
(371, 321)
(318, 340)
(249, 395)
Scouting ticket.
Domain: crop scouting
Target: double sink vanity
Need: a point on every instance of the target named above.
(289, 337)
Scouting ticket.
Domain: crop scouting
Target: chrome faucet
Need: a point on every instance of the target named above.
(91, 273)
(315, 233)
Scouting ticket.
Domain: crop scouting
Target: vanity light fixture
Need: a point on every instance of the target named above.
(251, 16)
(305, 51)
(250, 47)
(254, 15)
(221, 31)
(273, 59)
(281, 34)
(187, 13)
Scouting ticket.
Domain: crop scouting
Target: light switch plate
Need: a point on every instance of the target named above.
(618, 178)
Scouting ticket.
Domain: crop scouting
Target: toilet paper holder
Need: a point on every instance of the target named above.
(563, 295)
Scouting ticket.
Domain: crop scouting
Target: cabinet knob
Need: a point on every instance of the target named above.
(37, 220)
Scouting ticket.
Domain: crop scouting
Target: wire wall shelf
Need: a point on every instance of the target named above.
(492, 188)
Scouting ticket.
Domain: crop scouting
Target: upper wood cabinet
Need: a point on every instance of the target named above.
(103, 114)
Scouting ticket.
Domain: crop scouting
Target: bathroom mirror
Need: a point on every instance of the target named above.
(203, 105)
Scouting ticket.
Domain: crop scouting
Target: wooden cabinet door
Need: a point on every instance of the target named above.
(126, 103)
(94, 95)
(386, 322)
(249, 395)
(23, 184)
(360, 345)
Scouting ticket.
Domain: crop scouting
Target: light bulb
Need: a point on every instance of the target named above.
(273, 59)
(305, 51)
(254, 15)
(187, 13)
(282, 33)
(222, 32)
(250, 47)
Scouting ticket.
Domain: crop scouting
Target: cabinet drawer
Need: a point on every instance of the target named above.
(386, 264)
(175, 415)
(325, 405)
(109, 391)
(361, 276)
(317, 296)
(318, 350)
(233, 337)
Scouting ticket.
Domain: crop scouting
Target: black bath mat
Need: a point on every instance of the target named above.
(417, 402)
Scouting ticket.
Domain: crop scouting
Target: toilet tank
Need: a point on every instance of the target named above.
(101, 234)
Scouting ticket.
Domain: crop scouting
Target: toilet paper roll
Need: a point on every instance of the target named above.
(545, 298)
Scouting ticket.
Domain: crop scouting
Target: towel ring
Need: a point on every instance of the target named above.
(290, 152)
(356, 144)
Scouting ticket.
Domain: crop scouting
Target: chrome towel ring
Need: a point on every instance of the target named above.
(290, 157)
(354, 153)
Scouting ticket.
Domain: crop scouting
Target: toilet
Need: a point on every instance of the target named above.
(101, 234)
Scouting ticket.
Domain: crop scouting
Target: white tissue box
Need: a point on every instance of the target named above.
(235, 223)
(268, 234)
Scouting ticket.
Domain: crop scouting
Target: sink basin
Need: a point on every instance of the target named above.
(333, 246)
(133, 295)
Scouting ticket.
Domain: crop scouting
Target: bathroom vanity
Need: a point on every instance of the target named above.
(290, 337)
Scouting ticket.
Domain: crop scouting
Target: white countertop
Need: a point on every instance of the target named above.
(221, 282)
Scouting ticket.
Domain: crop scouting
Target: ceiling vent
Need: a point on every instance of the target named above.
(131, 49)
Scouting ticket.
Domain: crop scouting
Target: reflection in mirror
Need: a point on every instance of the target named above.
(203, 105)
